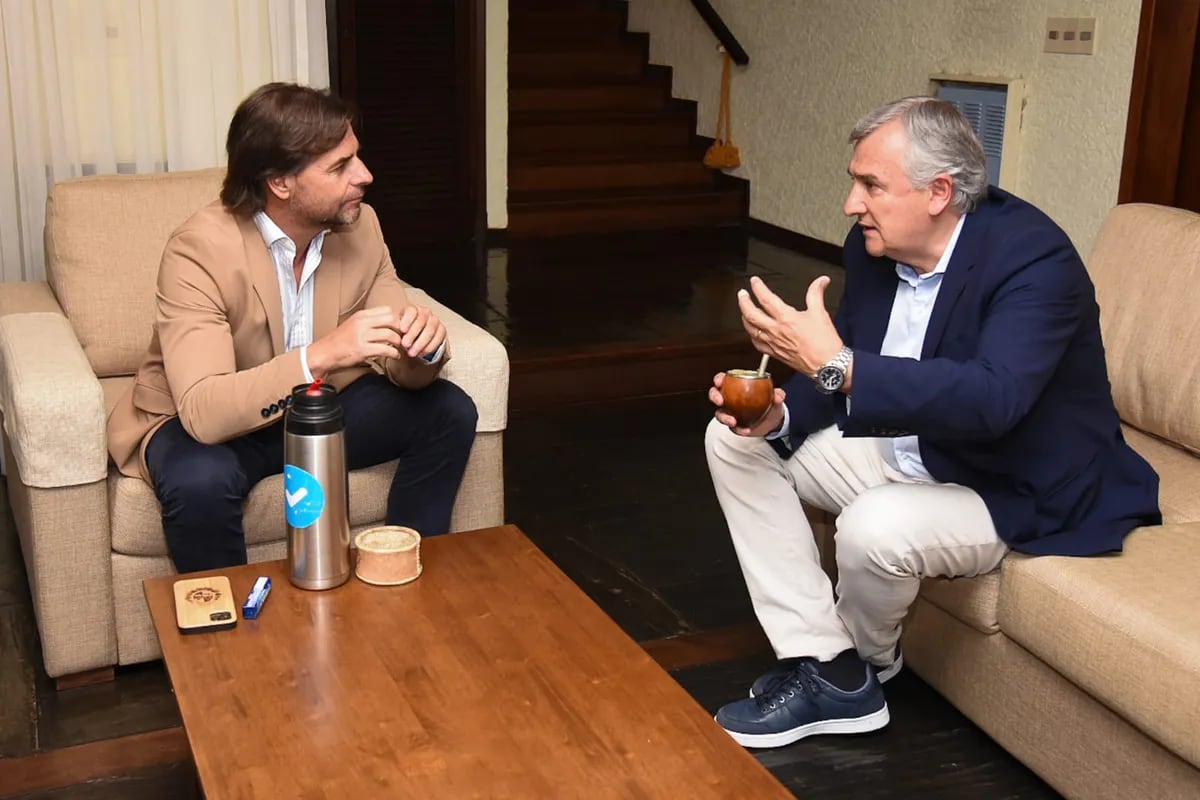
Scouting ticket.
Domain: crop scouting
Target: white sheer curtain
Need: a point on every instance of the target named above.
(103, 86)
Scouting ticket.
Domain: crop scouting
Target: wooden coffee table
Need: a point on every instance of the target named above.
(492, 675)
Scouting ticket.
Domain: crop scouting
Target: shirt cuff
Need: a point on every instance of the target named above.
(783, 428)
(308, 376)
(436, 355)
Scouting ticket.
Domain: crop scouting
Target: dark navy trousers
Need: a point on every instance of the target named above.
(202, 488)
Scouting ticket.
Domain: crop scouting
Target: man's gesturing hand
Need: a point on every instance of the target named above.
(804, 340)
(369, 333)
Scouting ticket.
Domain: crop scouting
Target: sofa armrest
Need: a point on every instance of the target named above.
(23, 297)
(52, 402)
(478, 363)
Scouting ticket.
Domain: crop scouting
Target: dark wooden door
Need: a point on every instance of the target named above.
(1162, 137)
(414, 71)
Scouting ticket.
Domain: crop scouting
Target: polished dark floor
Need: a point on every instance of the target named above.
(617, 494)
(590, 293)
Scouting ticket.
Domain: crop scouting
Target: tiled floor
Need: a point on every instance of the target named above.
(618, 495)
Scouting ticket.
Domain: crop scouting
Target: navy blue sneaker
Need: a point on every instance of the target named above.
(778, 672)
(804, 704)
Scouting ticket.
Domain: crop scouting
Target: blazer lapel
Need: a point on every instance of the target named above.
(870, 324)
(327, 287)
(266, 280)
(954, 280)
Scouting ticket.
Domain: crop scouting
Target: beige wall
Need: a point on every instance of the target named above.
(496, 113)
(817, 66)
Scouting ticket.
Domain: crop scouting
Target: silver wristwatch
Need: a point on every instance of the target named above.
(831, 376)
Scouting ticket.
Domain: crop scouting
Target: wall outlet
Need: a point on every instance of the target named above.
(1085, 35)
(1070, 35)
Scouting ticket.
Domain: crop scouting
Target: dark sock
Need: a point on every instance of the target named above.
(846, 671)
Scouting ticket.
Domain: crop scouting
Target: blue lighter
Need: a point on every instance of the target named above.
(258, 596)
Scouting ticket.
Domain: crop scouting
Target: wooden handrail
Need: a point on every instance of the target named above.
(721, 31)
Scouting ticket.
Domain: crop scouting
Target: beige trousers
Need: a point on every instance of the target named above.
(891, 532)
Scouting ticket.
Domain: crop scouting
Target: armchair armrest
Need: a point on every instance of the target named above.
(21, 297)
(478, 363)
(52, 402)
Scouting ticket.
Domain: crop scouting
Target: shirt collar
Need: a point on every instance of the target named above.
(272, 233)
(908, 273)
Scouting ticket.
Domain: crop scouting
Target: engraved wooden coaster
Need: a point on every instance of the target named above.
(388, 555)
(204, 604)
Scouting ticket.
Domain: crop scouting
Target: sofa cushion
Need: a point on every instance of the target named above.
(970, 600)
(1178, 474)
(137, 518)
(1142, 256)
(104, 238)
(1124, 628)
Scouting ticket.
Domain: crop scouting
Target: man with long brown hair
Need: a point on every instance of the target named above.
(284, 280)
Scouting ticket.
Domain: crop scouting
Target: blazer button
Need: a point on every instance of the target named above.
(266, 412)
(274, 408)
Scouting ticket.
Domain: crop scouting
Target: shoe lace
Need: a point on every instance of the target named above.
(800, 680)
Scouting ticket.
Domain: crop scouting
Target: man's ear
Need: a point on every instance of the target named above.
(280, 186)
(941, 192)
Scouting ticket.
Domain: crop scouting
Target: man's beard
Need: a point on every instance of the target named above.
(346, 214)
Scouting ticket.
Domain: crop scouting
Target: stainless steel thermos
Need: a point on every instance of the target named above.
(315, 487)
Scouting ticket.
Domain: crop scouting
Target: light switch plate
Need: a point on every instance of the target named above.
(1058, 29)
(1070, 35)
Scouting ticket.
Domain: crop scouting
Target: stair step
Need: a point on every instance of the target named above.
(597, 145)
(619, 61)
(558, 18)
(562, 28)
(586, 98)
(650, 155)
(566, 213)
(597, 134)
(606, 196)
(631, 173)
(677, 109)
(533, 6)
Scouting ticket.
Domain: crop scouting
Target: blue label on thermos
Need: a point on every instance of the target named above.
(304, 499)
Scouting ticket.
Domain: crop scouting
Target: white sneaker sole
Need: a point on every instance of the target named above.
(871, 722)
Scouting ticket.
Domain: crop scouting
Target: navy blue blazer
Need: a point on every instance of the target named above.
(1011, 395)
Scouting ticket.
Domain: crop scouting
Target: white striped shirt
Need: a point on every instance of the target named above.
(297, 300)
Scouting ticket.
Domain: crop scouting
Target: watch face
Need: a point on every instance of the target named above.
(830, 379)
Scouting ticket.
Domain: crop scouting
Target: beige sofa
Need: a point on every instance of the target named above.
(68, 348)
(1088, 669)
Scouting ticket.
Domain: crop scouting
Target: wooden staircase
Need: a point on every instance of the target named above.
(596, 142)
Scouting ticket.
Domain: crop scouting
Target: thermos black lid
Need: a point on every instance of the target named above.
(314, 410)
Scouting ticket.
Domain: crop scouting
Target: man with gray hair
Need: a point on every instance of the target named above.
(957, 407)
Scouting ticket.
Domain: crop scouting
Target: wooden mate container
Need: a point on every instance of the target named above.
(748, 395)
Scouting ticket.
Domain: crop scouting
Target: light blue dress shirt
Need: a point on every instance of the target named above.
(915, 295)
(911, 310)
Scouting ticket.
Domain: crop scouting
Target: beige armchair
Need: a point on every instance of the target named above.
(68, 348)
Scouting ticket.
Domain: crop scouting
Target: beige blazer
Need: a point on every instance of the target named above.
(217, 358)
